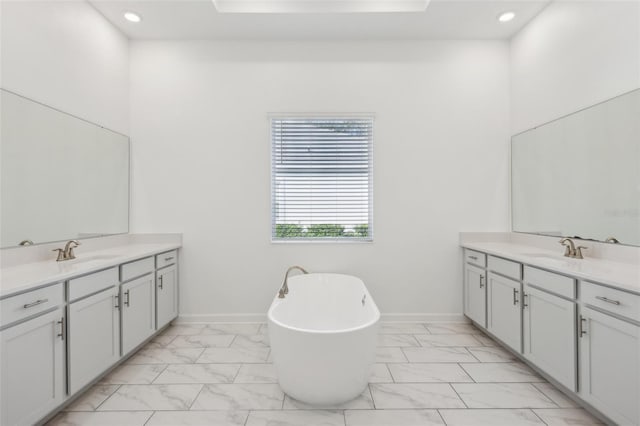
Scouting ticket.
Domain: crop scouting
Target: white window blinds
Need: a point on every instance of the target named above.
(321, 178)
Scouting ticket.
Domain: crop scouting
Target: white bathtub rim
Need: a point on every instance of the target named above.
(277, 301)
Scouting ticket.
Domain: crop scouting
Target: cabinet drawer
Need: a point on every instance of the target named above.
(33, 302)
(136, 269)
(505, 267)
(166, 259)
(83, 286)
(612, 300)
(555, 283)
(475, 257)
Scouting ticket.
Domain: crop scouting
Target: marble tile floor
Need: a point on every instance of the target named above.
(222, 375)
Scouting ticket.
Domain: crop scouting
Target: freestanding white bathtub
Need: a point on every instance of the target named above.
(323, 338)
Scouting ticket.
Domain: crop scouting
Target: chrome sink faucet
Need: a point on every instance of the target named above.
(285, 287)
(67, 253)
(571, 250)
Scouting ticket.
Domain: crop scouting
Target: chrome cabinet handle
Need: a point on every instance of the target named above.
(61, 322)
(161, 283)
(481, 281)
(166, 259)
(36, 303)
(605, 299)
(473, 257)
(515, 296)
(126, 301)
(117, 305)
(524, 300)
(581, 329)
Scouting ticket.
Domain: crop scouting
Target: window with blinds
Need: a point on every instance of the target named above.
(321, 178)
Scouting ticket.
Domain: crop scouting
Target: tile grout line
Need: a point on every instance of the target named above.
(444, 422)
(153, 413)
(105, 400)
(459, 397)
(196, 398)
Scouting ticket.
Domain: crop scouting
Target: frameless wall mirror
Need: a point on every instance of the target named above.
(580, 175)
(61, 177)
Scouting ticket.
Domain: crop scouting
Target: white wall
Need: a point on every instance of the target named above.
(66, 55)
(572, 55)
(201, 161)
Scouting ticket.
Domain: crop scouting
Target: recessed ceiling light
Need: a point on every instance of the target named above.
(132, 17)
(506, 16)
(319, 6)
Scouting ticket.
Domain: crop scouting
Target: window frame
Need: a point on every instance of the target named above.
(322, 240)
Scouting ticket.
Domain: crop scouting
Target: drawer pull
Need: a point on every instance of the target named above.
(473, 257)
(166, 259)
(515, 297)
(36, 303)
(605, 299)
(481, 281)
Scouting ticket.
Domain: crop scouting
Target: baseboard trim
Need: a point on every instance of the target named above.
(253, 318)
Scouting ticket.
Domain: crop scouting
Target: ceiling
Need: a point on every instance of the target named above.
(199, 19)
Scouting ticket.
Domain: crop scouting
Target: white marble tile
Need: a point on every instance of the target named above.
(567, 417)
(233, 355)
(160, 341)
(380, 374)
(414, 395)
(296, 418)
(257, 373)
(202, 341)
(486, 340)
(397, 340)
(429, 373)
(166, 356)
(362, 401)
(446, 340)
(251, 341)
(232, 328)
(452, 328)
(151, 397)
(438, 355)
(198, 373)
(133, 374)
(198, 418)
(390, 355)
(402, 328)
(91, 399)
(101, 418)
(392, 418)
(501, 372)
(492, 354)
(502, 395)
(240, 397)
(557, 396)
(183, 330)
(491, 417)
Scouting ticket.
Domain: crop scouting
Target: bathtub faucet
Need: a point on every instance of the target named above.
(285, 287)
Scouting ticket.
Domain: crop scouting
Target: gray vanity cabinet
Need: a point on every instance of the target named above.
(166, 295)
(549, 332)
(475, 287)
(32, 369)
(138, 311)
(504, 318)
(610, 362)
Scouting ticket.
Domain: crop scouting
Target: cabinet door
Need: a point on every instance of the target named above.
(550, 335)
(610, 366)
(94, 337)
(167, 295)
(504, 316)
(138, 312)
(32, 369)
(475, 294)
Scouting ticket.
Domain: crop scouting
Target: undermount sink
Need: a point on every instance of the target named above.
(94, 258)
(548, 257)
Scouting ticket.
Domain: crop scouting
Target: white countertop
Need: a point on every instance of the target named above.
(624, 276)
(29, 276)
